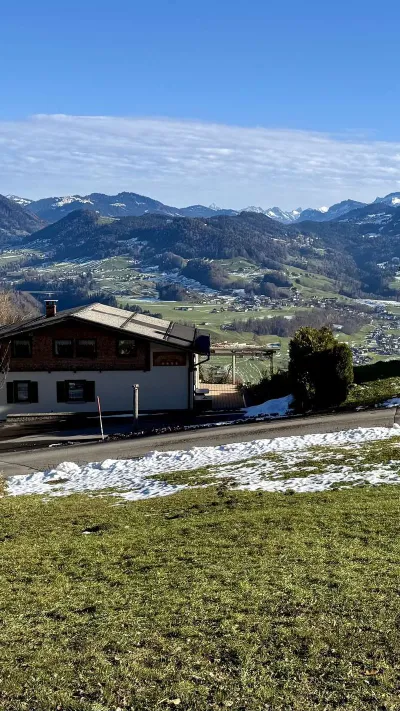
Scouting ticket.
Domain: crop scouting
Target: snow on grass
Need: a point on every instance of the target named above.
(270, 464)
(284, 475)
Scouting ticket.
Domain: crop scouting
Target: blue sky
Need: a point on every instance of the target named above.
(321, 76)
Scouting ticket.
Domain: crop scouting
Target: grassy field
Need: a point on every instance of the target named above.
(248, 370)
(11, 257)
(307, 282)
(311, 284)
(207, 599)
(374, 392)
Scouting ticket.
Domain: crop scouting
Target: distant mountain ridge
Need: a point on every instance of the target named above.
(324, 214)
(391, 199)
(16, 221)
(24, 202)
(127, 204)
(123, 204)
(276, 213)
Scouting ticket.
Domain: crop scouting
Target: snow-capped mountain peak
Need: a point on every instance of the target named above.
(275, 213)
(391, 199)
(24, 202)
(253, 208)
(68, 199)
(125, 204)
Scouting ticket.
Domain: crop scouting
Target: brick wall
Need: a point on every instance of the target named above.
(43, 357)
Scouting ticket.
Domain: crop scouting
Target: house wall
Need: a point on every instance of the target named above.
(160, 387)
(43, 357)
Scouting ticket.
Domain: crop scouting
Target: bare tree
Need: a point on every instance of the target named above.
(9, 313)
(16, 306)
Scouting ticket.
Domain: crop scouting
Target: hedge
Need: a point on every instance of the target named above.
(377, 371)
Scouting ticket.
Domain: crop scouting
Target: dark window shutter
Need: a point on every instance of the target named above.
(10, 392)
(33, 391)
(89, 391)
(61, 396)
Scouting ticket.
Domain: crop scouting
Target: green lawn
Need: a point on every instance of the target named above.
(373, 393)
(206, 599)
(11, 257)
(312, 284)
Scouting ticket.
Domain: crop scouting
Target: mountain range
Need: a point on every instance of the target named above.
(350, 249)
(121, 205)
(126, 204)
(346, 242)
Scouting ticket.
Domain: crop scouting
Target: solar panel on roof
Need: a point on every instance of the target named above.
(178, 333)
(160, 330)
(151, 321)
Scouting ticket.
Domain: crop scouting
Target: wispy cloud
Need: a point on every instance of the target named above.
(182, 162)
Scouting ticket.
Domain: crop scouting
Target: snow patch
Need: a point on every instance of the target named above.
(393, 402)
(68, 199)
(280, 407)
(141, 478)
(19, 200)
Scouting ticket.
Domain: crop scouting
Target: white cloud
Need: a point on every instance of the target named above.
(184, 162)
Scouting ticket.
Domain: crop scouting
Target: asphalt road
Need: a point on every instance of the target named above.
(41, 459)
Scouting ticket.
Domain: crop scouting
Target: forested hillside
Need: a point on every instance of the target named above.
(15, 221)
(84, 233)
(348, 251)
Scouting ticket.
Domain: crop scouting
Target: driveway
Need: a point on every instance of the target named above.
(21, 462)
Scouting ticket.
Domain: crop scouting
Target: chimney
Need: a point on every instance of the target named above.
(51, 307)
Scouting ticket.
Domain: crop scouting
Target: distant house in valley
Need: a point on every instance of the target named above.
(62, 361)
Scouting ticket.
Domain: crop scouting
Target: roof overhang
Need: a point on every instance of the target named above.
(176, 335)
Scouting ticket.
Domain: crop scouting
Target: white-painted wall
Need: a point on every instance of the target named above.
(160, 388)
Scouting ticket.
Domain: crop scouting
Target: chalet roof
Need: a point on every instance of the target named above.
(126, 322)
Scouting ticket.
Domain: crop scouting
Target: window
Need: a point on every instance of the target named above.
(22, 391)
(86, 348)
(22, 348)
(76, 391)
(126, 347)
(63, 348)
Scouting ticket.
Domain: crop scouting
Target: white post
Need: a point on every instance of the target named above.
(234, 368)
(135, 406)
(100, 418)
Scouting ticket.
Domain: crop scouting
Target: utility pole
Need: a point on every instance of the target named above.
(135, 406)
